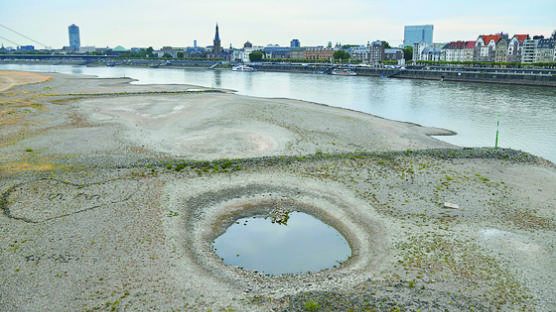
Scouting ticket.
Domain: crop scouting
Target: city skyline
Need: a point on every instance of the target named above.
(313, 23)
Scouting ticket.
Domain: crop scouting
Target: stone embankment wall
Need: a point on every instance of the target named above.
(478, 76)
(488, 75)
(519, 76)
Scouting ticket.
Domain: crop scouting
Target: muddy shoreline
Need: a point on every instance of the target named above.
(112, 193)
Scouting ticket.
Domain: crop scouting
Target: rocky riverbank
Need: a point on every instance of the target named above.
(112, 193)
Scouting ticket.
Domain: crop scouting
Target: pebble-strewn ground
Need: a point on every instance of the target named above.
(111, 195)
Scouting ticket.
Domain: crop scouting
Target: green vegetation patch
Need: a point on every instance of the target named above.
(227, 165)
(433, 256)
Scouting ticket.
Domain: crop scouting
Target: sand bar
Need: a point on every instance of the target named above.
(9, 79)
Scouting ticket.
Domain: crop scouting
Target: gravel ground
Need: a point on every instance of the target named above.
(110, 201)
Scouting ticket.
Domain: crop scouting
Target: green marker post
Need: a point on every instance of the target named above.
(497, 131)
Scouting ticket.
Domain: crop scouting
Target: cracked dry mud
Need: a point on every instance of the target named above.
(111, 194)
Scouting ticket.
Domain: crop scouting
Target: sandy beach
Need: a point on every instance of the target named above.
(112, 194)
(9, 79)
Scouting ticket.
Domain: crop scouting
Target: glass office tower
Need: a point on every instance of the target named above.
(74, 41)
(417, 33)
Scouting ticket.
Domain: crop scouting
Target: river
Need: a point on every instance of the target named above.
(527, 114)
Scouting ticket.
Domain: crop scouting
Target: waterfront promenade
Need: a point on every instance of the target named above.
(524, 75)
(518, 76)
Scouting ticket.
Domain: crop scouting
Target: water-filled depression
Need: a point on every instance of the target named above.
(300, 245)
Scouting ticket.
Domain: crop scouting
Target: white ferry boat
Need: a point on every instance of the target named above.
(243, 68)
(343, 72)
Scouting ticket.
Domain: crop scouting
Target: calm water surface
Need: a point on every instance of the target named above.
(304, 244)
(527, 114)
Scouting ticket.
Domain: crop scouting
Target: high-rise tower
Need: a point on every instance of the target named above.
(216, 42)
(416, 34)
(74, 41)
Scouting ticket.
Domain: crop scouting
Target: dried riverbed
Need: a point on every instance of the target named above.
(113, 193)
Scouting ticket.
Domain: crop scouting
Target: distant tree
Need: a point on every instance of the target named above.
(408, 53)
(140, 53)
(167, 55)
(180, 54)
(149, 52)
(385, 44)
(341, 55)
(256, 56)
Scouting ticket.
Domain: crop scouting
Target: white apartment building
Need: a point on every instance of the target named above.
(528, 51)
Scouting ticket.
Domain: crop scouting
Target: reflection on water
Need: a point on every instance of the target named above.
(527, 114)
(304, 244)
(217, 78)
(76, 70)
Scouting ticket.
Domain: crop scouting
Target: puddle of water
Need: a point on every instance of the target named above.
(304, 244)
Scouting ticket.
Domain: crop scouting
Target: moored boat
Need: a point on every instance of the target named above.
(243, 68)
(343, 72)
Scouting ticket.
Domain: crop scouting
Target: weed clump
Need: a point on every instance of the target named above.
(311, 305)
(180, 167)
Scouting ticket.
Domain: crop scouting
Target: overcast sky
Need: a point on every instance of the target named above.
(158, 23)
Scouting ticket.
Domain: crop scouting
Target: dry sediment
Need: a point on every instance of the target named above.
(111, 201)
(9, 79)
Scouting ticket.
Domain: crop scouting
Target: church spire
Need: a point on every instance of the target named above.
(217, 46)
(217, 35)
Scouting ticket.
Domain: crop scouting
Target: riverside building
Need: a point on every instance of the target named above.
(544, 52)
(458, 51)
(74, 40)
(376, 52)
(515, 47)
(529, 50)
(318, 53)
